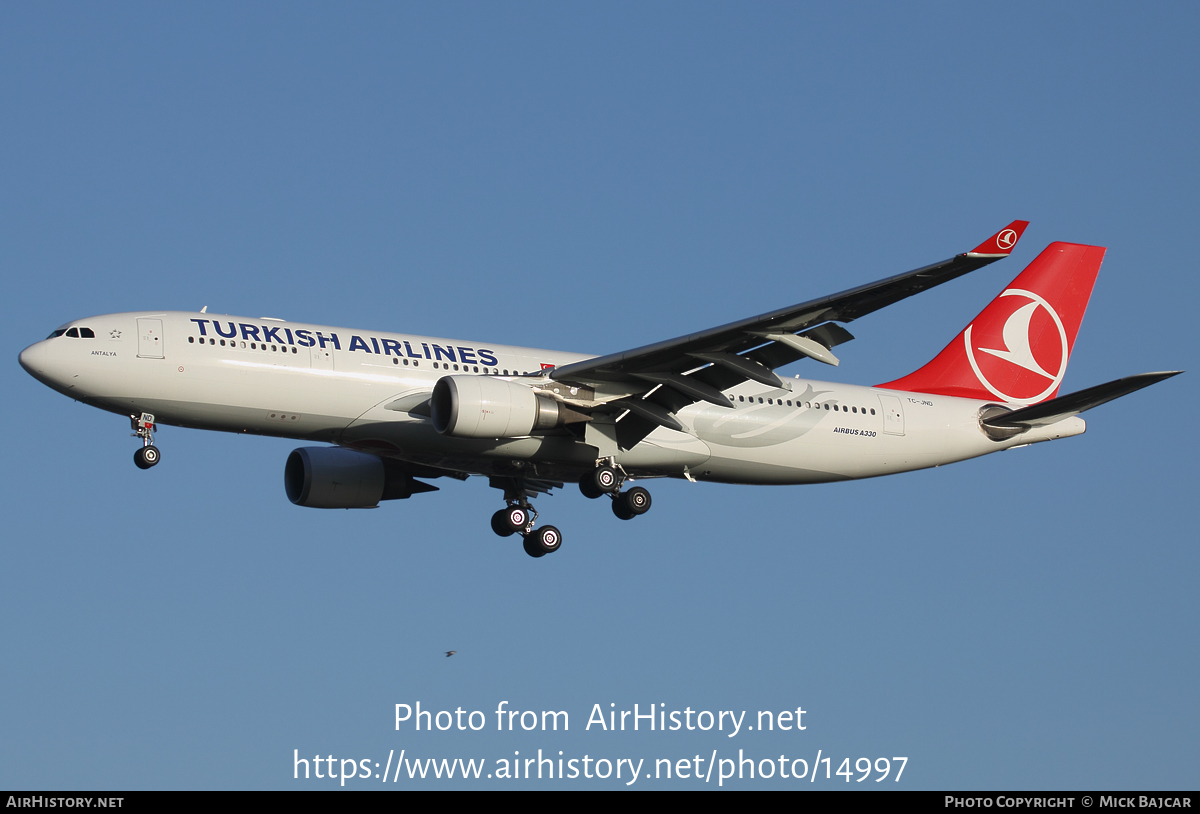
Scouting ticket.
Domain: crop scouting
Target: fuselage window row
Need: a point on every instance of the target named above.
(253, 345)
(810, 405)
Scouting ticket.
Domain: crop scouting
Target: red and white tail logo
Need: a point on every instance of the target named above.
(1017, 350)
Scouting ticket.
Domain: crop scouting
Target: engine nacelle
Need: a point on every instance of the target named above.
(484, 407)
(338, 478)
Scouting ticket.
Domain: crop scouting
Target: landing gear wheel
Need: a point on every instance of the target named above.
(545, 540)
(516, 519)
(548, 537)
(638, 500)
(500, 523)
(146, 457)
(601, 480)
(587, 485)
(622, 509)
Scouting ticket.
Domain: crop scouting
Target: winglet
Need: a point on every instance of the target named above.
(1002, 243)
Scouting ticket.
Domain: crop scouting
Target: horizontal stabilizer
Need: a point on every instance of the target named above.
(1056, 409)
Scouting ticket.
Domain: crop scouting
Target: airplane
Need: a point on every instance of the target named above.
(397, 410)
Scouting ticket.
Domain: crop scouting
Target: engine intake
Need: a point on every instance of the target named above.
(484, 407)
(339, 478)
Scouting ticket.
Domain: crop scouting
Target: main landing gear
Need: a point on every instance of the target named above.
(518, 518)
(607, 479)
(148, 455)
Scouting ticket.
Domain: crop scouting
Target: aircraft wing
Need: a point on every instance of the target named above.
(698, 366)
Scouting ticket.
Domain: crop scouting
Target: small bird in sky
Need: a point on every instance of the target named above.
(450, 653)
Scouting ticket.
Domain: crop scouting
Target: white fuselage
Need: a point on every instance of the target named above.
(335, 385)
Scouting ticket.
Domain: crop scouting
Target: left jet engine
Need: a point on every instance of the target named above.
(339, 478)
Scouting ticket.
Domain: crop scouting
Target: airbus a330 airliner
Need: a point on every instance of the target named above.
(398, 409)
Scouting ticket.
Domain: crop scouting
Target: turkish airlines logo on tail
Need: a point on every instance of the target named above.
(1007, 239)
(1018, 353)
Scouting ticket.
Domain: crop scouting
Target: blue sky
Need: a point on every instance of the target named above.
(593, 177)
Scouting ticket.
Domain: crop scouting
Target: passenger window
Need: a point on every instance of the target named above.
(191, 340)
(74, 332)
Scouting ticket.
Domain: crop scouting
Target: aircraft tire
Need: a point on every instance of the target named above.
(500, 523)
(638, 500)
(548, 539)
(532, 548)
(587, 485)
(605, 479)
(146, 457)
(516, 518)
(622, 509)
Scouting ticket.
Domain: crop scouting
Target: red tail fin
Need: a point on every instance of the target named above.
(1017, 349)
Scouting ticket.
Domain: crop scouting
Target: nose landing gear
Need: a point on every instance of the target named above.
(148, 455)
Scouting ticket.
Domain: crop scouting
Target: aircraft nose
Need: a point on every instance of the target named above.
(38, 361)
(33, 359)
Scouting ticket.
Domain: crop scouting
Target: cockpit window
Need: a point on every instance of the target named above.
(74, 333)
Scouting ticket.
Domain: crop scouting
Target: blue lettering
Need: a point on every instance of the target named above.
(271, 335)
(443, 353)
(408, 348)
(391, 346)
(288, 331)
(356, 343)
(249, 331)
(426, 347)
(232, 330)
(331, 338)
(487, 358)
(305, 338)
(201, 323)
(463, 353)
(375, 344)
